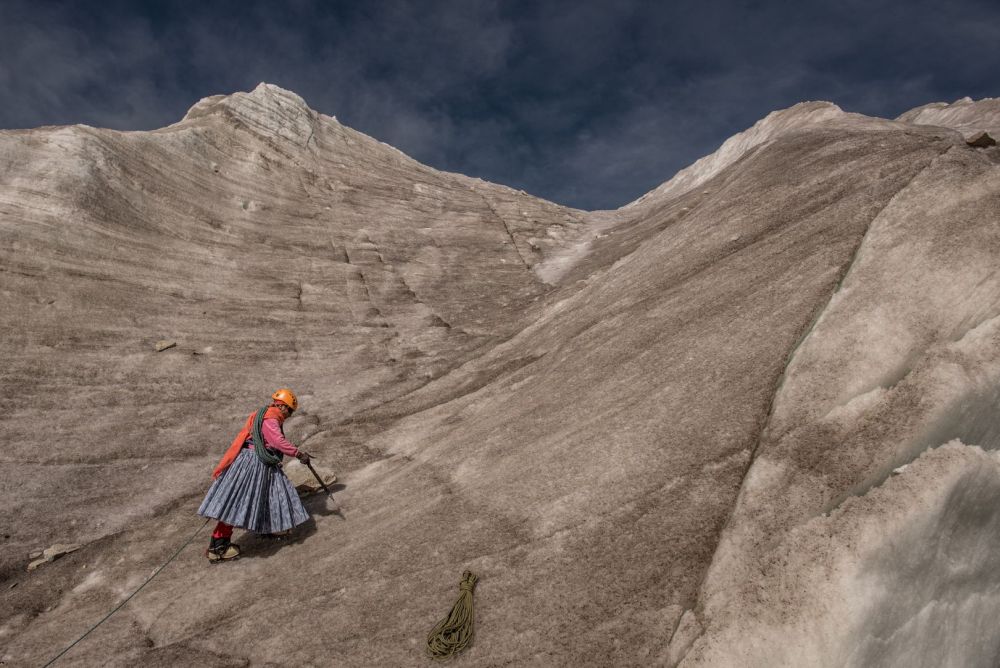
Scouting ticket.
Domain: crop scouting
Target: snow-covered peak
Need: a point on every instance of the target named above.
(772, 125)
(965, 115)
(266, 108)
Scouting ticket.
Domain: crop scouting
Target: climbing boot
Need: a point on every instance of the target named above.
(221, 549)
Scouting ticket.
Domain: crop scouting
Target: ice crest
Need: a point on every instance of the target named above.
(966, 115)
(267, 109)
(776, 123)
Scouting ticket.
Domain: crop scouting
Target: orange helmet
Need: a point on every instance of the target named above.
(287, 397)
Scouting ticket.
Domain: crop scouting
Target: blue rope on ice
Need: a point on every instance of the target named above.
(129, 598)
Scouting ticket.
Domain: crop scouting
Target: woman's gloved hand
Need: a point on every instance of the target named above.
(303, 456)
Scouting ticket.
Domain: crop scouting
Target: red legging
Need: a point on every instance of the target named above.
(222, 530)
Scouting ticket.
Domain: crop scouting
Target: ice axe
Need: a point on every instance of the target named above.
(318, 479)
(327, 489)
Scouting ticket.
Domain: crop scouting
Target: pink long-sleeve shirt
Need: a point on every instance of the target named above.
(273, 438)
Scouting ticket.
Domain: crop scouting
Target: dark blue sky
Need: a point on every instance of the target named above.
(586, 103)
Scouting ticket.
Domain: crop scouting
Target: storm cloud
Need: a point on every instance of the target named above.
(585, 104)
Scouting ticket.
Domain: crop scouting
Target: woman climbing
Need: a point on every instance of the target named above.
(250, 490)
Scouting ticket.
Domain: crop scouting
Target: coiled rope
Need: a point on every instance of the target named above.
(265, 455)
(128, 598)
(454, 632)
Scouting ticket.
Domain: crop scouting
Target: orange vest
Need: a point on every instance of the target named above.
(237, 445)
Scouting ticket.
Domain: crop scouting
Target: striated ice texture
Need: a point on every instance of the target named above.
(906, 575)
(747, 420)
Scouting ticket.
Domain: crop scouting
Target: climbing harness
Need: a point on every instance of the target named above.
(129, 598)
(454, 632)
(265, 455)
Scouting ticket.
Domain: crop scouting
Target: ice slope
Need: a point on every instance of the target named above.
(903, 358)
(579, 245)
(635, 454)
(906, 575)
(274, 245)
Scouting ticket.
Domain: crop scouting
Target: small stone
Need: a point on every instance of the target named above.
(981, 140)
(164, 344)
(435, 320)
(900, 469)
(53, 553)
(35, 554)
(59, 549)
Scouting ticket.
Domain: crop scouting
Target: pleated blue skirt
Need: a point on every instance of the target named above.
(251, 495)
